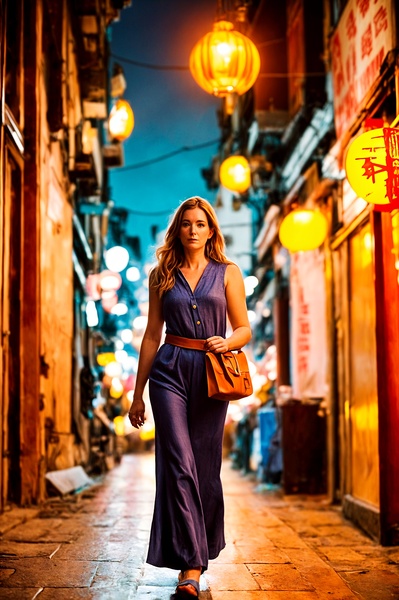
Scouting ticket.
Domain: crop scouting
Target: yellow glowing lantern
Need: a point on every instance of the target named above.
(104, 358)
(119, 425)
(147, 432)
(303, 229)
(372, 166)
(116, 389)
(235, 174)
(225, 61)
(121, 120)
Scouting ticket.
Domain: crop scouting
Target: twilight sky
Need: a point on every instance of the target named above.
(170, 110)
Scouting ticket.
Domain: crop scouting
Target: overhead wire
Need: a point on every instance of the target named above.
(143, 65)
(162, 157)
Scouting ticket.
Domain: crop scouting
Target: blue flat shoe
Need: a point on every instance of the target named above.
(188, 588)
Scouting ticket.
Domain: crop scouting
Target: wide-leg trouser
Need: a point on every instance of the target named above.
(188, 521)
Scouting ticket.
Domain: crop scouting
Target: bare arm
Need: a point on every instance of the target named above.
(148, 350)
(237, 313)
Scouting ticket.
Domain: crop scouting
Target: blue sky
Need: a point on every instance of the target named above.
(170, 109)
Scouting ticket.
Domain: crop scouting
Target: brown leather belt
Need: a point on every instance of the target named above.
(190, 343)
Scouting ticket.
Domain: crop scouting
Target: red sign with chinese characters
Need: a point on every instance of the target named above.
(359, 46)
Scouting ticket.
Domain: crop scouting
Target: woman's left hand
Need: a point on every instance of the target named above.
(217, 344)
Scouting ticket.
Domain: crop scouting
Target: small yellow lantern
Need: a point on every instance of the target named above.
(303, 229)
(225, 61)
(104, 358)
(235, 174)
(121, 120)
(119, 425)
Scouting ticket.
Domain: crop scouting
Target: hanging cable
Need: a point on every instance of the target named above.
(143, 65)
(152, 161)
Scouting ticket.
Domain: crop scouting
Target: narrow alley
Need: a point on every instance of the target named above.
(92, 545)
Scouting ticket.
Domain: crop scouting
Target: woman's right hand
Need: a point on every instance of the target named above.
(136, 413)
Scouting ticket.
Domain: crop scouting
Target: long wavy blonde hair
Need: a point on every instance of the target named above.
(171, 254)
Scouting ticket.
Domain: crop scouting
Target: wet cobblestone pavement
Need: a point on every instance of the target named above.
(93, 546)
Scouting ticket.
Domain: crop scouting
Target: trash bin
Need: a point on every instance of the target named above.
(268, 424)
(304, 448)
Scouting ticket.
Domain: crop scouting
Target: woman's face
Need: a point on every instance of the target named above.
(194, 229)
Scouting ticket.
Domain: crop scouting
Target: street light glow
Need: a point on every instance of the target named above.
(117, 258)
(91, 314)
(133, 274)
(119, 309)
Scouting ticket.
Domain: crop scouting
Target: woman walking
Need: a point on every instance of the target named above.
(193, 289)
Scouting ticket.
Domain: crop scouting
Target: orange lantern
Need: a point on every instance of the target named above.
(225, 61)
(303, 229)
(235, 174)
(121, 120)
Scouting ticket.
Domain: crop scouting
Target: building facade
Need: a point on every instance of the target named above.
(332, 310)
(54, 103)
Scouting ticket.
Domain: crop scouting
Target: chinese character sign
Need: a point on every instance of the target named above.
(309, 328)
(359, 45)
(372, 166)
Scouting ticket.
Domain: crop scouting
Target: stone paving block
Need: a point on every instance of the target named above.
(12, 518)
(341, 558)
(312, 517)
(347, 531)
(373, 585)
(121, 575)
(279, 578)
(230, 577)
(319, 574)
(85, 594)
(283, 537)
(41, 572)
(104, 551)
(243, 534)
(154, 593)
(19, 594)
(10, 549)
(332, 540)
(38, 530)
(5, 572)
(155, 576)
(265, 595)
(251, 553)
(304, 530)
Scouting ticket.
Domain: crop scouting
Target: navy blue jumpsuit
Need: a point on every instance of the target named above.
(188, 522)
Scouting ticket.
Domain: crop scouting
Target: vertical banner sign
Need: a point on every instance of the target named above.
(359, 46)
(309, 329)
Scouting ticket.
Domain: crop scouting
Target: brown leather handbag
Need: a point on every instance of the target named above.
(228, 375)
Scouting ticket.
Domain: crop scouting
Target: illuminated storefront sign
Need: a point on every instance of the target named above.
(359, 45)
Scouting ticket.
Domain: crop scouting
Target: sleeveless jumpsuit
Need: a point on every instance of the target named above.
(188, 521)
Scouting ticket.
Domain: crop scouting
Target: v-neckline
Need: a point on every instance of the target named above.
(198, 282)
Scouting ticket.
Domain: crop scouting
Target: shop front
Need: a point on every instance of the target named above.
(364, 278)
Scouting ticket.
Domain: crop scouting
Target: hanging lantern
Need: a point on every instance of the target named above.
(104, 358)
(372, 167)
(225, 61)
(121, 120)
(303, 229)
(235, 174)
